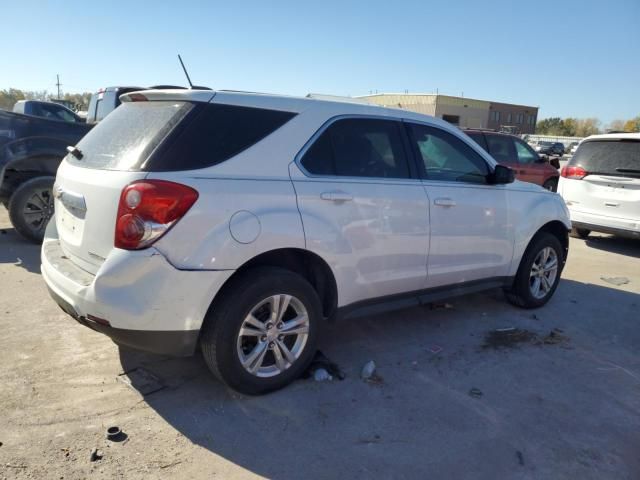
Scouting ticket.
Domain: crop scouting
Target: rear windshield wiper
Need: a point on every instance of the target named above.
(75, 151)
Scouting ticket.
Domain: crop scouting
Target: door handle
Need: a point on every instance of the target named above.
(445, 202)
(336, 196)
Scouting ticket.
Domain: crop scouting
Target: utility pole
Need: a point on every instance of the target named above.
(58, 84)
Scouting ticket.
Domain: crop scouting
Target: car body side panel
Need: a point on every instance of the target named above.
(233, 220)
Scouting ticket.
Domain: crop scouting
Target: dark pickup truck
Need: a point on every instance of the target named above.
(31, 148)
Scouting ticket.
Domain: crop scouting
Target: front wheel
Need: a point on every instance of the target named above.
(262, 333)
(539, 272)
(31, 207)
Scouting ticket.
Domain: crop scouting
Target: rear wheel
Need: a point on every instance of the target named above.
(31, 207)
(551, 184)
(582, 233)
(262, 334)
(539, 272)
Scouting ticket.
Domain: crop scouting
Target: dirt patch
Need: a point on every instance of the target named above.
(514, 337)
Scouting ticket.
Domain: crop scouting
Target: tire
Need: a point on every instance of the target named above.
(31, 207)
(551, 185)
(224, 349)
(522, 292)
(582, 233)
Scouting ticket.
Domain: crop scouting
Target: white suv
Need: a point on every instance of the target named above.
(243, 222)
(601, 185)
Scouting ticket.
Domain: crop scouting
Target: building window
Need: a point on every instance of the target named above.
(532, 120)
(453, 119)
(508, 118)
(495, 116)
(520, 118)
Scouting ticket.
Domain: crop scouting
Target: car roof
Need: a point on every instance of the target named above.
(333, 106)
(613, 136)
(489, 132)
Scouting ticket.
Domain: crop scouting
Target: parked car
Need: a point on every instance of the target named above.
(601, 185)
(105, 100)
(515, 153)
(243, 222)
(549, 148)
(48, 110)
(31, 148)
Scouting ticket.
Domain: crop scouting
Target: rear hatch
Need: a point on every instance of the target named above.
(90, 179)
(610, 183)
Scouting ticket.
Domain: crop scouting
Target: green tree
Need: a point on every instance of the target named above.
(632, 125)
(569, 127)
(587, 126)
(8, 98)
(549, 126)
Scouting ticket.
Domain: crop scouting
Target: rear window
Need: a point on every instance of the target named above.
(609, 157)
(214, 133)
(124, 139)
(107, 103)
(478, 137)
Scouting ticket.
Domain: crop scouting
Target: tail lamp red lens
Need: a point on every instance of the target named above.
(148, 209)
(577, 173)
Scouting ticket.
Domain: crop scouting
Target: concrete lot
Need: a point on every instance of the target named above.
(561, 410)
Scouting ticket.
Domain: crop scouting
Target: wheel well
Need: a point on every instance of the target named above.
(306, 264)
(22, 170)
(559, 230)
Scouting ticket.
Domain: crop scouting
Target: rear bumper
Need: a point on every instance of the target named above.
(138, 298)
(175, 343)
(599, 223)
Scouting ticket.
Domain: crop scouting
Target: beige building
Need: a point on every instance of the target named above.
(463, 112)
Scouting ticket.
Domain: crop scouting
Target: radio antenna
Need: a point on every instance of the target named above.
(185, 71)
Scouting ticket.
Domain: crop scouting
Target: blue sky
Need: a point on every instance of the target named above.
(570, 58)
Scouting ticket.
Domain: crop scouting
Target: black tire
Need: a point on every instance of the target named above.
(222, 325)
(551, 185)
(33, 196)
(520, 293)
(582, 233)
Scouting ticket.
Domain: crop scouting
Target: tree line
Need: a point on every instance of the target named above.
(583, 127)
(9, 97)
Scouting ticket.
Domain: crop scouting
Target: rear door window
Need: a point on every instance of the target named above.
(501, 148)
(359, 147)
(609, 157)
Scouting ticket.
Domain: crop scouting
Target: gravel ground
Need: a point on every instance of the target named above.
(450, 402)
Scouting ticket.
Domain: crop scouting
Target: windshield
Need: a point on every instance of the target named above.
(609, 157)
(126, 137)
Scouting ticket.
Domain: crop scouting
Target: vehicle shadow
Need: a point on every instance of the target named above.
(18, 251)
(613, 244)
(418, 417)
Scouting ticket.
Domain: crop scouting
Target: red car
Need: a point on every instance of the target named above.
(513, 152)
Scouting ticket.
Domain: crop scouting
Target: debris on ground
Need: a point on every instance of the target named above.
(95, 455)
(321, 375)
(368, 370)
(172, 464)
(554, 337)
(475, 392)
(617, 281)
(507, 337)
(115, 434)
(520, 457)
(511, 337)
(435, 348)
(321, 362)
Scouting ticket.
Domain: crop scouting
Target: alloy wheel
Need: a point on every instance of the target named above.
(38, 210)
(273, 335)
(544, 271)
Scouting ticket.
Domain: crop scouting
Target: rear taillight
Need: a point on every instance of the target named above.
(148, 209)
(577, 173)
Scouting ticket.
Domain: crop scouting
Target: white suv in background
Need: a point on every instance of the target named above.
(243, 222)
(601, 185)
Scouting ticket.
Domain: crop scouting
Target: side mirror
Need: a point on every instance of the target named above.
(502, 175)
